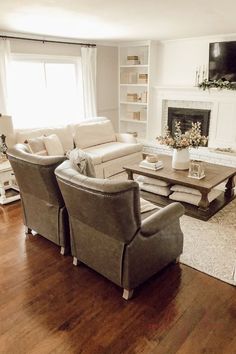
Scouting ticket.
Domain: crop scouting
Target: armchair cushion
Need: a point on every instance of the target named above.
(146, 206)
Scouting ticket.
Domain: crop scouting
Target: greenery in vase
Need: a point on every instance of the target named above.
(179, 140)
(220, 84)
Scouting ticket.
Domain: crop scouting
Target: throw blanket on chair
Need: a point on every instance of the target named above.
(82, 162)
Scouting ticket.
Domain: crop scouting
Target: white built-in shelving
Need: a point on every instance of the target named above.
(137, 75)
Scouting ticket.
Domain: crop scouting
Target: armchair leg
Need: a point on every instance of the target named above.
(75, 261)
(177, 260)
(127, 294)
(27, 230)
(62, 251)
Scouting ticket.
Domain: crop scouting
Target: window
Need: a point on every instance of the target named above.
(45, 92)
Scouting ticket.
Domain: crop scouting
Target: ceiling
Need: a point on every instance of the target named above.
(118, 20)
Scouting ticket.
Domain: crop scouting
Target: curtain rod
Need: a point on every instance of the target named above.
(47, 41)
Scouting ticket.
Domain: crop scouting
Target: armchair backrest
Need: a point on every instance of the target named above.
(110, 207)
(43, 205)
(35, 174)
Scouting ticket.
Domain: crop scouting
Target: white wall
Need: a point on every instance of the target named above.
(107, 83)
(178, 59)
(31, 47)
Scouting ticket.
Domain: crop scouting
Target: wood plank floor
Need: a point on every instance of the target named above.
(49, 306)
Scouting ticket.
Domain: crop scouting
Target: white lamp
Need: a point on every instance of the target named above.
(6, 128)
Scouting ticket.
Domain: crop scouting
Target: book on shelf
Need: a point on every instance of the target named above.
(151, 165)
(133, 60)
(134, 115)
(132, 57)
(132, 97)
(143, 78)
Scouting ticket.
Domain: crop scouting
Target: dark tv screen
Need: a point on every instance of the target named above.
(222, 61)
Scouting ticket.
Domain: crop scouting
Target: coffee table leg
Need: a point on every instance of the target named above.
(229, 190)
(204, 202)
(130, 175)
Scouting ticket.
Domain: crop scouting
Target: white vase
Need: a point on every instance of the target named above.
(180, 159)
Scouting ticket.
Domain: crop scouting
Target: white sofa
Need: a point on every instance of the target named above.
(109, 151)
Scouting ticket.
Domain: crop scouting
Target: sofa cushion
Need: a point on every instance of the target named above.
(111, 151)
(95, 133)
(73, 126)
(63, 133)
(113, 167)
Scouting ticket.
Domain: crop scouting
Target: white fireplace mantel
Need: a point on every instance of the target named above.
(223, 111)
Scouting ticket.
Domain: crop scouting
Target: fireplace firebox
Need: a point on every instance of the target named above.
(187, 116)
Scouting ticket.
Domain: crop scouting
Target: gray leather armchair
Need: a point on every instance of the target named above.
(107, 232)
(43, 207)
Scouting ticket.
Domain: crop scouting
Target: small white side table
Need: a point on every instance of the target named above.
(7, 181)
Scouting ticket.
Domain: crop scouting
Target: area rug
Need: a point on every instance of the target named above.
(210, 246)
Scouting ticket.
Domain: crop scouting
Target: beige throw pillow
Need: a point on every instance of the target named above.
(37, 146)
(194, 199)
(155, 189)
(183, 189)
(53, 145)
(154, 181)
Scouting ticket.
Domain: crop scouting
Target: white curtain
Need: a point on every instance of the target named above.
(4, 72)
(88, 62)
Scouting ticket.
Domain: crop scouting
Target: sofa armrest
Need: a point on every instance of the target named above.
(126, 138)
(158, 221)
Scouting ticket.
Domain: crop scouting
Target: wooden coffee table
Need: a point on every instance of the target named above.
(215, 174)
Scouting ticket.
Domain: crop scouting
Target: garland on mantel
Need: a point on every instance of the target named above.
(220, 84)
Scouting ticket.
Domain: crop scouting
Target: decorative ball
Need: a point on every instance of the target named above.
(152, 158)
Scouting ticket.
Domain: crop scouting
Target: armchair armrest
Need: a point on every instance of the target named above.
(126, 138)
(158, 221)
(22, 151)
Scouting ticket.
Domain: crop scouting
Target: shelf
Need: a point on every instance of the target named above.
(134, 66)
(133, 121)
(139, 85)
(135, 82)
(135, 103)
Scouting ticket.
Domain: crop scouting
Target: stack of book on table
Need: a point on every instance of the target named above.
(151, 165)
